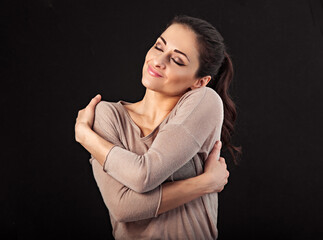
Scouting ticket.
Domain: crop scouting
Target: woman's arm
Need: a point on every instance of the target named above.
(214, 178)
(95, 144)
(200, 114)
(127, 205)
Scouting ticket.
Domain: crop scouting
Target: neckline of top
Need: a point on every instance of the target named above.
(132, 122)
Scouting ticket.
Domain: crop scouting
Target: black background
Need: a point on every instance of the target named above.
(57, 55)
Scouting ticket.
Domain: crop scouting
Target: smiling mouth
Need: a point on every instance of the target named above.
(152, 72)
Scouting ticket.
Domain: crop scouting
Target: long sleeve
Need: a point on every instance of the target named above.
(124, 204)
(198, 115)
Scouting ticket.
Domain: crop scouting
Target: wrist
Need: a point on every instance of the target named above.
(205, 186)
(200, 184)
(82, 132)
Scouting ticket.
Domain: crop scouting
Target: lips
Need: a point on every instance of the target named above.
(153, 72)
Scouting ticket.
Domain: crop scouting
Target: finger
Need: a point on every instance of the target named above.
(218, 144)
(94, 101)
(216, 149)
(221, 159)
(79, 113)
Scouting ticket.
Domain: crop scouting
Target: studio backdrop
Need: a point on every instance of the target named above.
(57, 55)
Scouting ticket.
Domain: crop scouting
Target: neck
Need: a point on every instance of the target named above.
(155, 106)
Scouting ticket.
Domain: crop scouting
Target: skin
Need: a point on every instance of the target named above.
(162, 94)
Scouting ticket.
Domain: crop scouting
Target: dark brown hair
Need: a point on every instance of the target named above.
(216, 62)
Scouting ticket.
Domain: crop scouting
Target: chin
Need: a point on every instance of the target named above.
(148, 83)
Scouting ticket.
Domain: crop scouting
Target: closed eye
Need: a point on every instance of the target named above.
(158, 48)
(180, 64)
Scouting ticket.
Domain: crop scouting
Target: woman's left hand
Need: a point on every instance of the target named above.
(85, 118)
(215, 170)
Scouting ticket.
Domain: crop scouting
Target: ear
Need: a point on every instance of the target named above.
(201, 82)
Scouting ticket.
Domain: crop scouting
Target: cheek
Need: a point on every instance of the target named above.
(150, 54)
(181, 74)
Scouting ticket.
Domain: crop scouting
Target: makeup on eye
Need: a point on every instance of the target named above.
(175, 50)
(159, 49)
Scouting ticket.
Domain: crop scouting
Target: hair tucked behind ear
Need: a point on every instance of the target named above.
(216, 62)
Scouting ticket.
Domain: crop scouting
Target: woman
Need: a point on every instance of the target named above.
(151, 154)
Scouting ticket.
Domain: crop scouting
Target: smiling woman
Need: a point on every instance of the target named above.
(174, 61)
(156, 161)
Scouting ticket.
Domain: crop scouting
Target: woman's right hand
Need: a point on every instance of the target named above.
(215, 170)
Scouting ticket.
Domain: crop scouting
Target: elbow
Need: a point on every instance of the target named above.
(142, 184)
(139, 187)
(122, 207)
(142, 181)
(139, 178)
(125, 213)
(120, 216)
(119, 212)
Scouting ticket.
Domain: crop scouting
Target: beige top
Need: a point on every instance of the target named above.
(131, 177)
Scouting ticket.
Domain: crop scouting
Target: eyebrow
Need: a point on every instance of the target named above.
(176, 50)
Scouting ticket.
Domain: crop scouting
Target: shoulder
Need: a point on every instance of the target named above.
(204, 98)
(106, 121)
(213, 93)
(199, 112)
(105, 106)
(105, 115)
(213, 99)
(199, 95)
(212, 105)
(198, 104)
(106, 110)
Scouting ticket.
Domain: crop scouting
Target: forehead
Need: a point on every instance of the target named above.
(180, 37)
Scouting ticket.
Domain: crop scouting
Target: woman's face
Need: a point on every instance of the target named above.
(171, 63)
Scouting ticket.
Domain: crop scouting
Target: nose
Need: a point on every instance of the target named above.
(159, 61)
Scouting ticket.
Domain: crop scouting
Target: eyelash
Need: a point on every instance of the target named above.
(180, 64)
